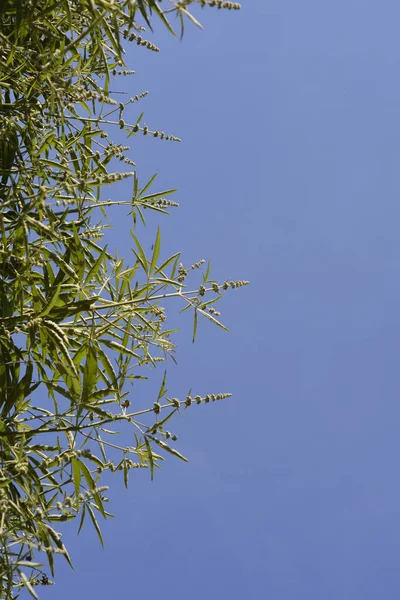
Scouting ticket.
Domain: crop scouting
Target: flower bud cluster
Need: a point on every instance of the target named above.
(234, 284)
(198, 264)
(209, 397)
(221, 4)
(160, 134)
(176, 403)
(164, 203)
(182, 273)
(123, 72)
(133, 37)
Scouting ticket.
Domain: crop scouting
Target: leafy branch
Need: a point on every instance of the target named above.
(78, 326)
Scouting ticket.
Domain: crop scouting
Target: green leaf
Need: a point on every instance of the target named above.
(28, 586)
(150, 457)
(106, 416)
(166, 282)
(163, 18)
(45, 539)
(56, 538)
(18, 390)
(151, 180)
(74, 308)
(207, 273)
(76, 475)
(160, 424)
(120, 348)
(40, 227)
(52, 302)
(191, 17)
(60, 341)
(170, 260)
(107, 366)
(126, 473)
(140, 254)
(213, 319)
(194, 325)
(66, 271)
(156, 252)
(95, 523)
(92, 487)
(155, 196)
(78, 255)
(167, 448)
(90, 374)
(135, 186)
(61, 517)
(99, 395)
(96, 267)
(115, 43)
(142, 9)
(163, 390)
(28, 563)
(82, 518)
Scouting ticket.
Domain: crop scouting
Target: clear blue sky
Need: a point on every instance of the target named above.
(289, 177)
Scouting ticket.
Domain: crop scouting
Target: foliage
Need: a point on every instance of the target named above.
(77, 325)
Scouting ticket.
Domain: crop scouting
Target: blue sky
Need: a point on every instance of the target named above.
(288, 176)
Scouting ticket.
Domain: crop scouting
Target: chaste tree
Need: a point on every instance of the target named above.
(78, 324)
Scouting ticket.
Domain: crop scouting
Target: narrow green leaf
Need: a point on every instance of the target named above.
(119, 347)
(95, 523)
(182, 20)
(163, 390)
(160, 424)
(62, 264)
(76, 475)
(128, 274)
(74, 308)
(207, 273)
(213, 319)
(157, 195)
(151, 180)
(28, 586)
(140, 254)
(97, 411)
(52, 302)
(89, 480)
(58, 517)
(99, 395)
(45, 539)
(107, 366)
(60, 340)
(96, 267)
(191, 17)
(40, 227)
(135, 186)
(114, 42)
(82, 518)
(77, 254)
(194, 325)
(167, 448)
(163, 18)
(126, 473)
(150, 456)
(28, 563)
(56, 538)
(89, 372)
(156, 251)
(166, 282)
(142, 9)
(144, 265)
